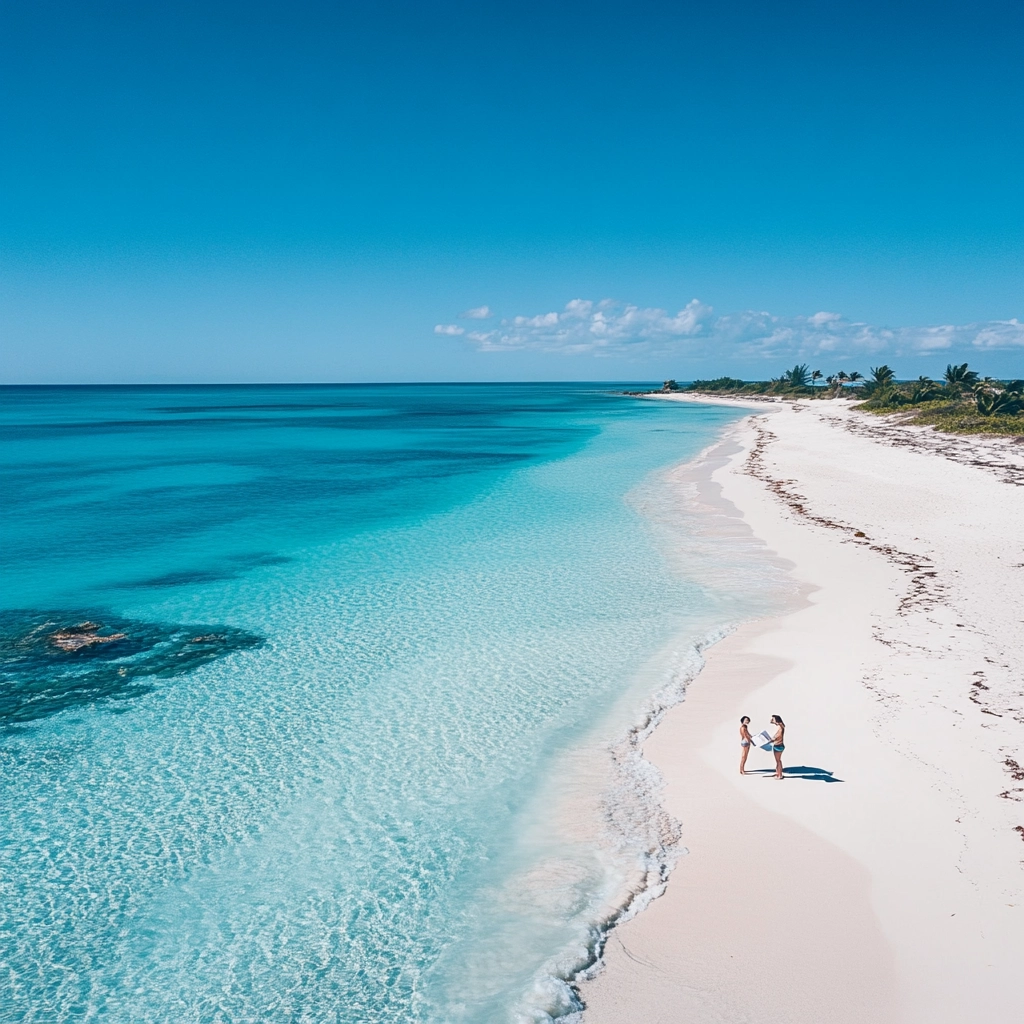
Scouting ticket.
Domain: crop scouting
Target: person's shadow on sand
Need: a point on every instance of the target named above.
(801, 771)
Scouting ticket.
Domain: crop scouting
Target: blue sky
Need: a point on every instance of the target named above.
(318, 191)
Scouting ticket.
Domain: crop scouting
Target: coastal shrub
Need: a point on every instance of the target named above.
(797, 382)
(964, 420)
(895, 395)
(952, 415)
(884, 397)
(718, 384)
(991, 399)
(924, 389)
(734, 386)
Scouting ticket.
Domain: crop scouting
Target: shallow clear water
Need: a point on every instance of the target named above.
(371, 634)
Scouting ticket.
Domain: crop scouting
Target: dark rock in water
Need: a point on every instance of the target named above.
(83, 635)
(54, 661)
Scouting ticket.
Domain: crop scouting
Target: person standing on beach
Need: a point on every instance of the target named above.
(778, 743)
(746, 741)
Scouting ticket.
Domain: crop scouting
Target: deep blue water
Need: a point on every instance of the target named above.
(293, 681)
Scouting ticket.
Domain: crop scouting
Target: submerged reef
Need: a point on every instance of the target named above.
(57, 661)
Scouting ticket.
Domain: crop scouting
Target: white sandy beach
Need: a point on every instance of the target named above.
(883, 881)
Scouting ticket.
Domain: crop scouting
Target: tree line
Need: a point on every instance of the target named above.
(881, 390)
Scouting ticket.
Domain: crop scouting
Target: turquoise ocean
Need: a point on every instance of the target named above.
(316, 701)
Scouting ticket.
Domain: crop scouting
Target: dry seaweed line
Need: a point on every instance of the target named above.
(1003, 460)
(924, 589)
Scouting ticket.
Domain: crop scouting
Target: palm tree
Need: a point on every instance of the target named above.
(924, 390)
(855, 376)
(799, 376)
(959, 378)
(881, 381)
(816, 376)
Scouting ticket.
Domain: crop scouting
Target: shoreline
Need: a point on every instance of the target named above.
(630, 797)
(917, 861)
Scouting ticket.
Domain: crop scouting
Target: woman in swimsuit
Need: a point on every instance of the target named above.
(745, 742)
(778, 743)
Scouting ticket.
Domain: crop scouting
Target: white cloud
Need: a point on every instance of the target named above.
(544, 320)
(820, 319)
(612, 328)
(605, 327)
(998, 334)
(448, 329)
(480, 313)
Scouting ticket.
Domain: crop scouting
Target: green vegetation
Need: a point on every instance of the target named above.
(959, 379)
(881, 377)
(797, 382)
(978, 414)
(799, 376)
(963, 402)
